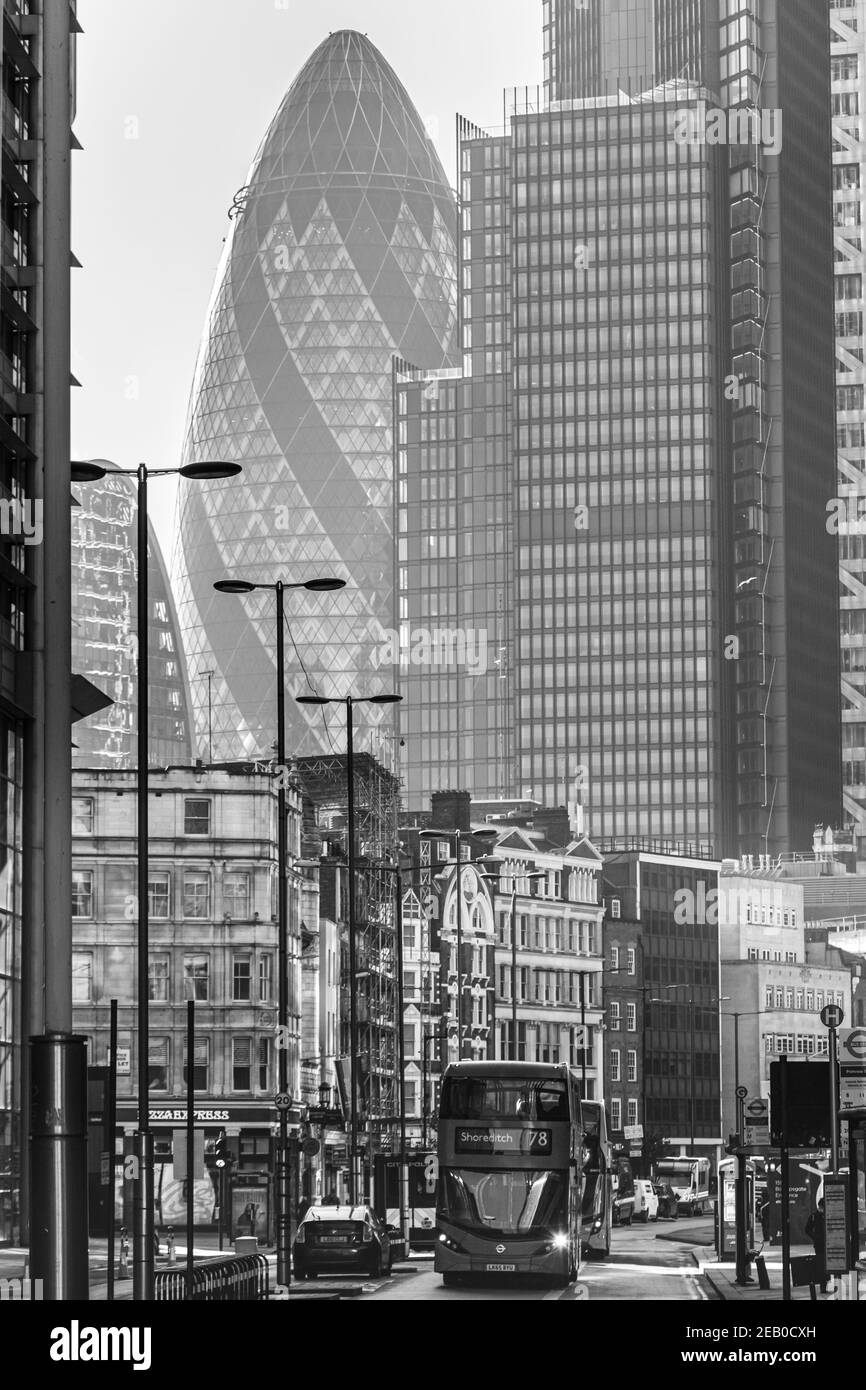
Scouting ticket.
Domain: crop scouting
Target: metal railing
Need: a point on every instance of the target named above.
(243, 1278)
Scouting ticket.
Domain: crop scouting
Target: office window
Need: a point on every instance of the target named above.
(631, 1018)
(200, 1064)
(196, 895)
(82, 815)
(158, 981)
(819, 1000)
(789, 998)
(82, 977)
(614, 1064)
(196, 816)
(614, 958)
(158, 1071)
(236, 894)
(241, 1064)
(266, 986)
(615, 1014)
(82, 893)
(159, 895)
(768, 996)
(630, 960)
(242, 979)
(779, 997)
(263, 1061)
(631, 1111)
(631, 1066)
(616, 1113)
(196, 971)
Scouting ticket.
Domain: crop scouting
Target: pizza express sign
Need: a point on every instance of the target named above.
(491, 1139)
(206, 1115)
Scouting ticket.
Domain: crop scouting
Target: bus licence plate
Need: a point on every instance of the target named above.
(500, 1269)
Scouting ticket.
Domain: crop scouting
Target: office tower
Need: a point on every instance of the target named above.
(646, 415)
(848, 75)
(104, 637)
(341, 253)
(38, 58)
(593, 47)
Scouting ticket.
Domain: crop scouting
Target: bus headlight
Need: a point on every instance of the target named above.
(448, 1243)
(596, 1226)
(560, 1241)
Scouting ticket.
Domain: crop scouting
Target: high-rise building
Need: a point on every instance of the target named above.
(593, 47)
(105, 640)
(341, 254)
(37, 704)
(848, 76)
(625, 490)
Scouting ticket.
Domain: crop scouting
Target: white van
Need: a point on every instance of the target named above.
(646, 1203)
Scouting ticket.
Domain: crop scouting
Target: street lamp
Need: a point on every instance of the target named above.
(532, 874)
(438, 832)
(691, 1002)
(350, 701)
(283, 1197)
(736, 1015)
(425, 1042)
(90, 472)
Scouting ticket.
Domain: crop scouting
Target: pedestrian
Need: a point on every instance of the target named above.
(816, 1231)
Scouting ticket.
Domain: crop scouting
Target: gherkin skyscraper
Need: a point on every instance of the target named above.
(341, 256)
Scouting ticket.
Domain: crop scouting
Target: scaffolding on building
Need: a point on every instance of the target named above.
(325, 783)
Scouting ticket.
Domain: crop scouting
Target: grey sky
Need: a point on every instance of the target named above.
(174, 97)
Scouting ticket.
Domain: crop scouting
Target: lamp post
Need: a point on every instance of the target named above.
(425, 1042)
(350, 701)
(86, 472)
(283, 1199)
(532, 874)
(736, 1015)
(741, 1216)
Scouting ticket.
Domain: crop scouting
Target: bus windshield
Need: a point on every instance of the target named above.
(503, 1202)
(473, 1098)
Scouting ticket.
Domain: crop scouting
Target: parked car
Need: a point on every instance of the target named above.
(646, 1203)
(341, 1240)
(668, 1200)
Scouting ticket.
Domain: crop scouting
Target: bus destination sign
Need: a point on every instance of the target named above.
(493, 1139)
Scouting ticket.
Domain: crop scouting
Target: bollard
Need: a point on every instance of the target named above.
(123, 1268)
(171, 1258)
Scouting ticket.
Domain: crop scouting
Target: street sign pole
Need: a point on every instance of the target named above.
(785, 1177)
(742, 1275)
(834, 1104)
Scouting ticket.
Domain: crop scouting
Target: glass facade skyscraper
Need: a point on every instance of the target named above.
(594, 47)
(341, 254)
(655, 436)
(105, 640)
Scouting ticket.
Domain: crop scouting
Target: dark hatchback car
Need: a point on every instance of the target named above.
(341, 1240)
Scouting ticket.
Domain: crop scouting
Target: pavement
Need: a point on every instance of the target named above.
(721, 1276)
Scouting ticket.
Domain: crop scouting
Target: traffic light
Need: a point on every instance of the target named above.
(223, 1157)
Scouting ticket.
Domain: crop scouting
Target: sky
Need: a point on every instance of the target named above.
(174, 97)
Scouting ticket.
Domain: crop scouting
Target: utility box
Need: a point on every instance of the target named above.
(246, 1245)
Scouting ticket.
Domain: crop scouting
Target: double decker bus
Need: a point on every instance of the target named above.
(524, 1172)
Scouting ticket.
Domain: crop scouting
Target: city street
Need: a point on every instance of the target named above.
(640, 1266)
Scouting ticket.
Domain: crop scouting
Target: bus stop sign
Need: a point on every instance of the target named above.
(832, 1016)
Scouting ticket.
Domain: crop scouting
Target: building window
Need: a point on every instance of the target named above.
(242, 979)
(82, 893)
(263, 1058)
(789, 998)
(200, 1064)
(631, 1066)
(615, 1014)
(752, 953)
(630, 960)
(410, 1090)
(82, 977)
(810, 999)
(158, 1064)
(266, 971)
(780, 997)
(196, 816)
(631, 1018)
(159, 895)
(616, 1113)
(196, 970)
(236, 895)
(82, 815)
(819, 1000)
(631, 1111)
(508, 1035)
(614, 1064)
(158, 979)
(241, 1064)
(196, 895)
(409, 1039)
(768, 997)
(614, 958)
